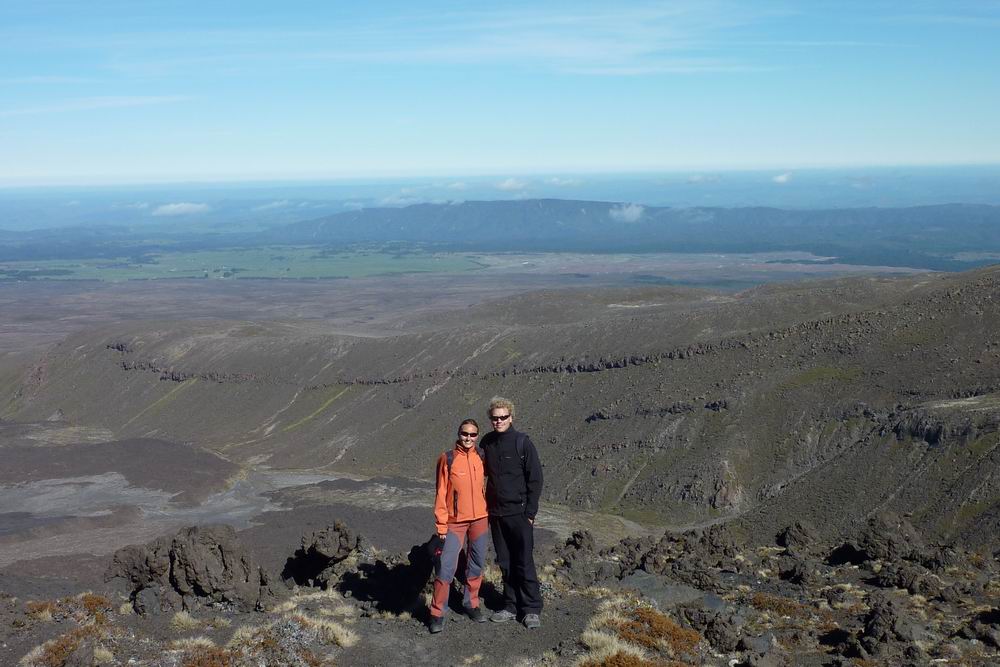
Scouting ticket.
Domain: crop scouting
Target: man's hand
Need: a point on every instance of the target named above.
(531, 521)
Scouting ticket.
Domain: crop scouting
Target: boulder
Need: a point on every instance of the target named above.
(798, 539)
(324, 556)
(199, 565)
(883, 537)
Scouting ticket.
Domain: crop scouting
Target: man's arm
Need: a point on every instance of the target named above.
(532, 478)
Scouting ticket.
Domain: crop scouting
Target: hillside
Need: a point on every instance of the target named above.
(824, 400)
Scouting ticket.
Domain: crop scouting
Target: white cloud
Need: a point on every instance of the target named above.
(626, 212)
(138, 206)
(458, 185)
(511, 185)
(781, 179)
(401, 199)
(697, 179)
(181, 208)
(354, 205)
(275, 204)
(563, 182)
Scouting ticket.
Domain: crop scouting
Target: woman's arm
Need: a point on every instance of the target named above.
(441, 497)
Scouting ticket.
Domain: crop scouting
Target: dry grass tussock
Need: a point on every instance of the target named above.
(282, 642)
(327, 629)
(190, 643)
(627, 633)
(184, 622)
(600, 592)
(493, 574)
(41, 611)
(387, 615)
(326, 602)
(103, 656)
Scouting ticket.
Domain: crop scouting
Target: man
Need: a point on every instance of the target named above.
(513, 487)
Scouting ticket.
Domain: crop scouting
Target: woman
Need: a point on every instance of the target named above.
(461, 521)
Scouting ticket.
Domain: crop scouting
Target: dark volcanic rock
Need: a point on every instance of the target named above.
(885, 626)
(804, 572)
(577, 561)
(908, 576)
(694, 558)
(323, 557)
(721, 625)
(884, 537)
(984, 627)
(200, 564)
(798, 539)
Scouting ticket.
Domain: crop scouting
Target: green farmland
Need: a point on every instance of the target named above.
(293, 262)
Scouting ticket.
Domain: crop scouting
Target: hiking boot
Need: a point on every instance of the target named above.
(476, 614)
(503, 616)
(436, 625)
(532, 621)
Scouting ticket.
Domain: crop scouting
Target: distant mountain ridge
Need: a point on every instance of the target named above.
(927, 237)
(918, 236)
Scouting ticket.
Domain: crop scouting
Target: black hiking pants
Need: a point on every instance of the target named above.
(514, 542)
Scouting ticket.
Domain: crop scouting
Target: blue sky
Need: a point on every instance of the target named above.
(131, 92)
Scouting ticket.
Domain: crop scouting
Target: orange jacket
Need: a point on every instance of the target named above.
(460, 496)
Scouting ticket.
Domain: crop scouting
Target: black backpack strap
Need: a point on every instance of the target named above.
(519, 446)
(450, 455)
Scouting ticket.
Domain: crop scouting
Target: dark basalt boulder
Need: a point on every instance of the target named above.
(913, 578)
(884, 537)
(578, 563)
(886, 626)
(985, 627)
(199, 565)
(799, 539)
(324, 556)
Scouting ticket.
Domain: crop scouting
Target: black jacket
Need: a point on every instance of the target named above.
(513, 484)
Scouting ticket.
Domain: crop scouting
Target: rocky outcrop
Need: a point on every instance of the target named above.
(884, 537)
(324, 556)
(200, 565)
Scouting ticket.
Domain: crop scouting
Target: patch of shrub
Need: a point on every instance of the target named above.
(777, 605)
(627, 660)
(208, 657)
(41, 611)
(55, 652)
(95, 604)
(653, 630)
